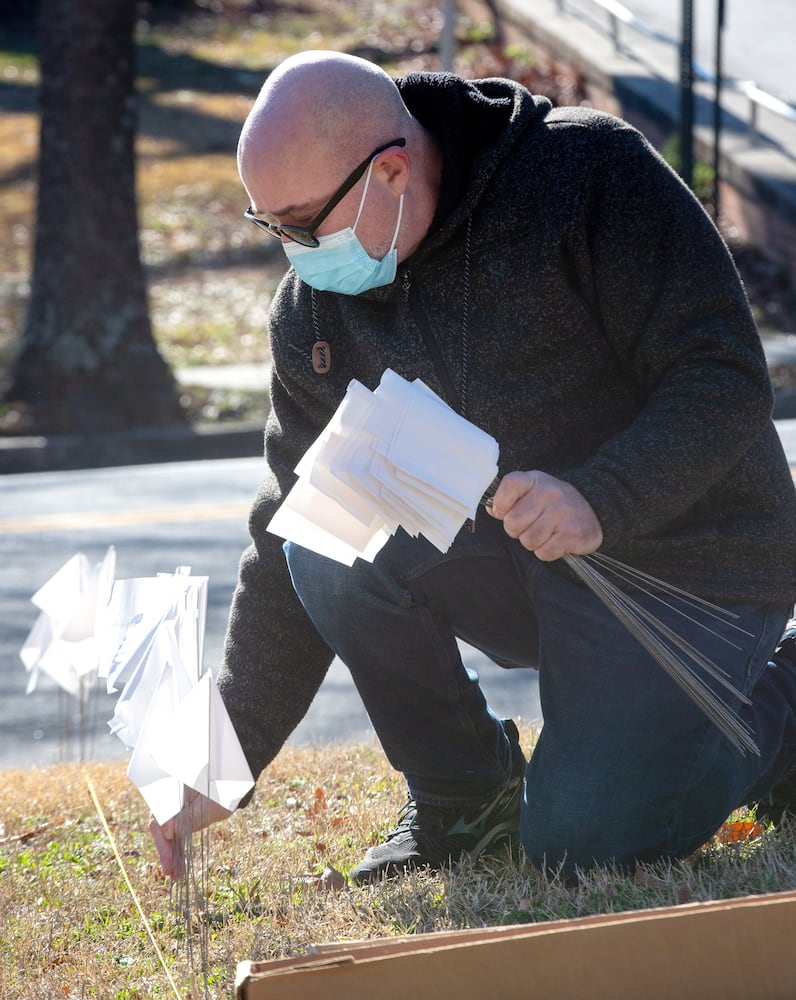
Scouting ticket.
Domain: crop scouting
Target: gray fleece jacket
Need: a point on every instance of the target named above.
(573, 300)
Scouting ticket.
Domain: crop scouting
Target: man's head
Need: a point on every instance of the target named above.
(319, 116)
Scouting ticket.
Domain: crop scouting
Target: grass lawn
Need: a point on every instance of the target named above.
(273, 879)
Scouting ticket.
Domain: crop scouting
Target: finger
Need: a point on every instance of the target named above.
(160, 832)
(512, 488)
(553, 547)
(535, 535)
(557, 533)
(169, 848)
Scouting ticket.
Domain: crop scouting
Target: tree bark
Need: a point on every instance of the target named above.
(87, 359)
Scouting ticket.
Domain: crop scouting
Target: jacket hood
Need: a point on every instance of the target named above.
(477, 123)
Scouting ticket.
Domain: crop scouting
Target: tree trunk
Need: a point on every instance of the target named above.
(87, 359)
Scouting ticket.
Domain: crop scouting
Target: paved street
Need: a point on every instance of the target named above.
(759, 37)
(758, 44)
(157, 517)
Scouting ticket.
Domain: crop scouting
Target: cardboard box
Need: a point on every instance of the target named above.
(741, 949)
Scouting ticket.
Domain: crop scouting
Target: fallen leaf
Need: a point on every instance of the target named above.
(329, 880)
(332, 880)
(737, 831)
(21, 838)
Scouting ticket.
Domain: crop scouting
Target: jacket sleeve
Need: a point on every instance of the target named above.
(274, 660)
(669, 301)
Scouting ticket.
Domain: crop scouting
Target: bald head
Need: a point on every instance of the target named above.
(320, 114)
(334, 104)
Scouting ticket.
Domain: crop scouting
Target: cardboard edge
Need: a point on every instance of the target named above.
(258, 980)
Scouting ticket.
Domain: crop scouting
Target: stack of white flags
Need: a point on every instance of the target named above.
(145, 637)
(62, 644)
(396, 457)
(170, 712)
(401, 457)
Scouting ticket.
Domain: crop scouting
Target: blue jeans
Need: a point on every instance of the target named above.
(626, 767)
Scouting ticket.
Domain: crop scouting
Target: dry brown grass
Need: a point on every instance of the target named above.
(69, 926)
(69, 923)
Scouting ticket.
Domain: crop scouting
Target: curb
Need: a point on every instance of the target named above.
(62, 452)
(66, 452)
(760, 173)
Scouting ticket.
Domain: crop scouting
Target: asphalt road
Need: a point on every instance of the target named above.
(758, 45)
(759, 37)
(158, 517)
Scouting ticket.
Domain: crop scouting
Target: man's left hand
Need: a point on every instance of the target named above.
(197, 813)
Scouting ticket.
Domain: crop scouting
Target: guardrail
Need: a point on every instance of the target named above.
(758, 98)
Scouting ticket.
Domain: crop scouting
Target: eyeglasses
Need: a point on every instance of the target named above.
(305, 234)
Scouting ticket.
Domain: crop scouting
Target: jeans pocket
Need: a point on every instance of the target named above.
(774, 620)
(413, 558)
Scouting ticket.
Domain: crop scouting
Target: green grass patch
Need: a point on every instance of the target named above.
(68, 926)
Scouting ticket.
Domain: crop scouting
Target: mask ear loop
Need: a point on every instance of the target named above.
(362, 205)
(397, 224)
(362, 199)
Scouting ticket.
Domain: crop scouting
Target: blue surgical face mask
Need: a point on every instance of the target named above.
(340, 263)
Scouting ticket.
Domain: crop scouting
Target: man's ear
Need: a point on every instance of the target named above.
(392, 169)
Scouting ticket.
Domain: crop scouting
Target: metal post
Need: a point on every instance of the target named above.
(717, 108)
(687, 93)
(615, 32)
(447, 43)
(752, 120)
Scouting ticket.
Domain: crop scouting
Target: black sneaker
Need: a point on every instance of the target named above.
(782, 797)
(434, 836)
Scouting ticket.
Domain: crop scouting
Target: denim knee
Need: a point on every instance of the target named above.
(576, 831)
(566, 839)
(326, 587)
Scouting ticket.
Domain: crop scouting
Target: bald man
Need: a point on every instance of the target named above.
(546, 274)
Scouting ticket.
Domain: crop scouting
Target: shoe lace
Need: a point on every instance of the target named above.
(407, 817)
(420, 819)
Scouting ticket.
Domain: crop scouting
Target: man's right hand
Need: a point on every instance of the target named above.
(548, 516)
(197, 813)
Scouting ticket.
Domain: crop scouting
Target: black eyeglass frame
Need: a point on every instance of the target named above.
(304, 235)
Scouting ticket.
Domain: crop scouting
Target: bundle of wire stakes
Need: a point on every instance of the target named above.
(679, 658)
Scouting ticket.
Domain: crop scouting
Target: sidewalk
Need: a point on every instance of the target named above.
(638, 80)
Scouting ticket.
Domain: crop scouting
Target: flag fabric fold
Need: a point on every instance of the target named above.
(395, 457)
(145, 638)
